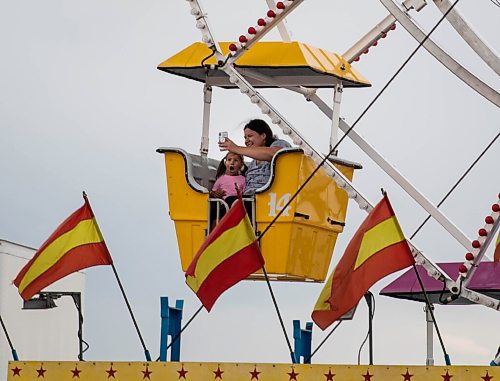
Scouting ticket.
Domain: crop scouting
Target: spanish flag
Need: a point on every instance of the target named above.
(76, 244)
(229, 254)
(378, 249)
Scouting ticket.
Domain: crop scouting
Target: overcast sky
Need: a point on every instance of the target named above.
(83, 107)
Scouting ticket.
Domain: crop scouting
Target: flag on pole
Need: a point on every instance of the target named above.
(378, 249)
(229, 254)
(76, 244)
(496, 255)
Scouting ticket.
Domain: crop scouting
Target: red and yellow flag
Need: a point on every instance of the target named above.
(229, 254)
(378, 249)
(76, 244)
(496, 255)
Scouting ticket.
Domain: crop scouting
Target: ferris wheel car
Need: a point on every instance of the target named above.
(299, 245)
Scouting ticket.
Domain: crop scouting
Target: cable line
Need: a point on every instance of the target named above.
(457, 183)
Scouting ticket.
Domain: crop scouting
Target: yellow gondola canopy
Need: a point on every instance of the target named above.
(287, 63)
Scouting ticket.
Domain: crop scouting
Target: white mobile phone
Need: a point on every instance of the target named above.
(223, 136)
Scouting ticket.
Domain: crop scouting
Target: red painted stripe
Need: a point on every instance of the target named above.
(228, 273)
(79, 258)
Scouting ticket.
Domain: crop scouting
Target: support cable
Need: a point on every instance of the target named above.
(457, 183)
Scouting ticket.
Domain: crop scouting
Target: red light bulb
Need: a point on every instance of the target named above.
(261, 22)
(270, 13)
(233, 47)
(483, 232)
(252, 30)
(469, 256)
(280, 5)
(495, 207)
(462, 269)
(489, 220)
(476, 244)
(243, 39)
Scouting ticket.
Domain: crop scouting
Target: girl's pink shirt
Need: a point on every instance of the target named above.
(226, 183)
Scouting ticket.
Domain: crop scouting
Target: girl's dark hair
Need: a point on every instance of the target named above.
(221, 169)
(261, 127)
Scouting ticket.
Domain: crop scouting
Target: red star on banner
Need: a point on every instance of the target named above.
(447, 376)
(16, 372)
(146, 373)
(76, 372)
(407, 376)
(111, 372)
(41, 372)
(182, 372)
(367, 376)
(487, 377)
(218, 373)
(255, 374)
(329, 375)
(293, 375)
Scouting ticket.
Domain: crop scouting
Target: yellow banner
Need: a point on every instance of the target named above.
(132, 371)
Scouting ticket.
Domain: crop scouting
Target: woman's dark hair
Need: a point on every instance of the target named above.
(221, 169)
(261, 127)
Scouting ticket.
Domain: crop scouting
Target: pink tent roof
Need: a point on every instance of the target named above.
(486, 280)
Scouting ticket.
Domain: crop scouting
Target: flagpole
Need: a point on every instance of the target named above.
(292, 355)
(185, 326)
(430, 309)
(369, 301)
(324, 341)
(146, 352)
(14, 353)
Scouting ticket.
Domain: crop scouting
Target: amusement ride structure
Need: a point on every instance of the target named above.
(302, 209)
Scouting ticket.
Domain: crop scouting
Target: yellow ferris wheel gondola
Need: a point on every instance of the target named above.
(299, 245)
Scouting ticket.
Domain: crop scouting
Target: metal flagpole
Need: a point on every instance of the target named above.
(14, 353)
(146, 352)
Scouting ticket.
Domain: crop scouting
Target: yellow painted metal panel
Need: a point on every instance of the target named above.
(300, 243)
(274, 54)
(187, 207)
(191, 371)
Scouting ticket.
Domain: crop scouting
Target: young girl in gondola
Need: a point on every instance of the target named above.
(230, 174)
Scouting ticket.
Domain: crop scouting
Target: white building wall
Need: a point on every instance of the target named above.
(36, 334)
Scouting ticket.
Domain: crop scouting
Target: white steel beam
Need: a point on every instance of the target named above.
(452, 65)
(342, 182)
(389, 169)
(367, 41)
(335, 116)
(207, 101)
(282, 29)
(262, 31)
(482, 243)
(456, 20)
